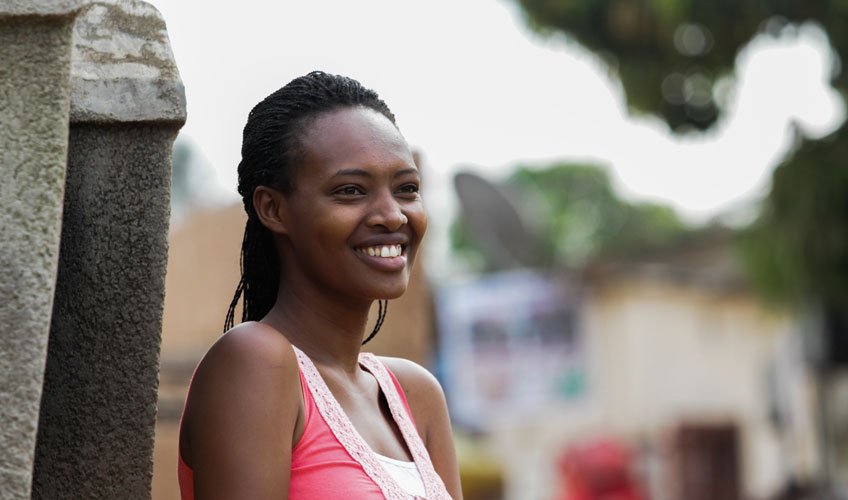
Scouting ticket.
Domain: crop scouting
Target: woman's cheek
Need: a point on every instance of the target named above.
(420, 218)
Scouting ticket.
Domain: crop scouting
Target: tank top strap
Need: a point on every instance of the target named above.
(433, 484)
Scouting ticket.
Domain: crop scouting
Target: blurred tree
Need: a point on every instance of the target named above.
(578, 218)
(798, 248)
(669, 54)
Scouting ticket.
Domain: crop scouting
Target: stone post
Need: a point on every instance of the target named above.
(35, 55)
(98, 411)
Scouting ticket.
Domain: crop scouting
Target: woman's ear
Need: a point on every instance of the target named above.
(270, 206)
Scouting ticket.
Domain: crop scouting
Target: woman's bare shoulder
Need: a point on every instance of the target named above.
(248, 357)
(423, 392)
(411, 375)
(242, 411)
(251, 341)
(245, 362)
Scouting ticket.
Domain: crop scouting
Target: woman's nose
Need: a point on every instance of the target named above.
(387, 212)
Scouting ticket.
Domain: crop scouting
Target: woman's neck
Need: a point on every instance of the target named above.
(329, 331)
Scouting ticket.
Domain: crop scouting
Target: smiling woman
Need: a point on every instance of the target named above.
(285, 405)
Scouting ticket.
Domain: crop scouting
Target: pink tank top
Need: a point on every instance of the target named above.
(332, 461)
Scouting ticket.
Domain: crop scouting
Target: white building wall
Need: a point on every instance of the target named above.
(671, 353)
(661, 353)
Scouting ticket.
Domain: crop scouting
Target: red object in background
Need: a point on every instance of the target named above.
(599, 469)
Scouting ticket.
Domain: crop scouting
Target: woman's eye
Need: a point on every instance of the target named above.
(409, 188)
(349, 190)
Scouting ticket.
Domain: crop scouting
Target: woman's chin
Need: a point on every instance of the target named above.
(389, 292)
(390, 295)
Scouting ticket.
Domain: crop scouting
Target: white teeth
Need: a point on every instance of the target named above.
(387, 251)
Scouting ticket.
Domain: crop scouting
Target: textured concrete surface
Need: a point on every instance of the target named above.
(98, 410)
(95, 437)
(123, 68)
(39, 8)
(34, 104)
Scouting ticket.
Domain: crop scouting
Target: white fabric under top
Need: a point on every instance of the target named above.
(404, 473)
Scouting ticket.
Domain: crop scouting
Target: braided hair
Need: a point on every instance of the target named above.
(271, 150)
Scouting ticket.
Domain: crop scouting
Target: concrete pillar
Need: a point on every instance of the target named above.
(95, 435)
(35, 55)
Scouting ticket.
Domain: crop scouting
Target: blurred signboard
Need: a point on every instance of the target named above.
(509, 346)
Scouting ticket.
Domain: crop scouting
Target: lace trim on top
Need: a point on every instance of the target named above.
(353, 442)
(432, 482)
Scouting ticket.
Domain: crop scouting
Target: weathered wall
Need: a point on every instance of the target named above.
(84, 243)
(99, 406)
(35, 53)
(95, 435)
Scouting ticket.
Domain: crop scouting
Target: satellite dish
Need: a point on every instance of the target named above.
(496, 223)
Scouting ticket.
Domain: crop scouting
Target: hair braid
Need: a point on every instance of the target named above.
(383, 307)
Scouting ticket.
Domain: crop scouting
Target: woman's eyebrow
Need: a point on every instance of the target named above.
(352, 171)
(364, 173)
(406, 171)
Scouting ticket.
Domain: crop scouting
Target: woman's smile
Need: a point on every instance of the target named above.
(384, 257)
(382, 250)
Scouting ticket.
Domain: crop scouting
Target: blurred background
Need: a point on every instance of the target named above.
(635, 283)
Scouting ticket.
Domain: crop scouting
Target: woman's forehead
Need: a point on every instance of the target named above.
(352, 136)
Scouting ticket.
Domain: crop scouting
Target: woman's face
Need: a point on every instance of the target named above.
(355, 218)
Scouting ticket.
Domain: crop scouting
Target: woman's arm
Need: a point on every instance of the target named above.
(241, 416)
(430, 411)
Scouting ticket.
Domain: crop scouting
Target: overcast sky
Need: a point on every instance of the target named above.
(472, 87)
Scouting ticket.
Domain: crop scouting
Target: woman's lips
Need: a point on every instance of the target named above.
(383, 257)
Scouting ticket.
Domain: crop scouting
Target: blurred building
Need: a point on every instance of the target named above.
(675, 357)
(685, 352)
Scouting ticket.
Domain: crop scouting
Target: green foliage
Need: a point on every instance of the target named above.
(466, 249)
(572, 203)
(770, 262)
(579, 218)
(586, 220)
(799, 245)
